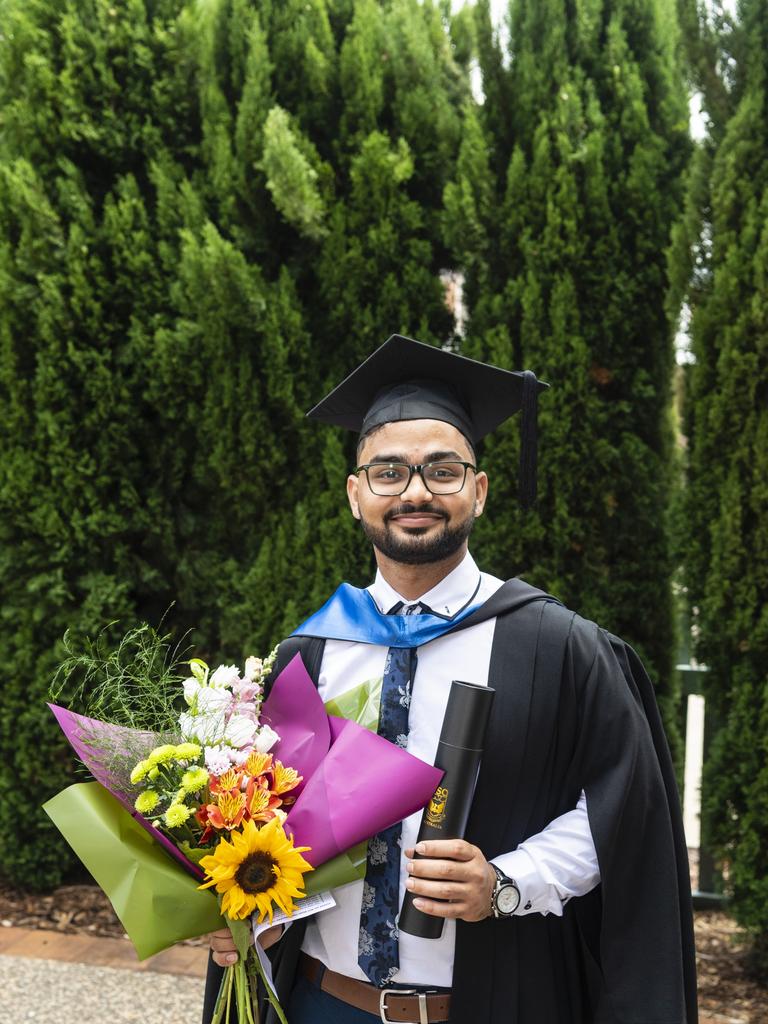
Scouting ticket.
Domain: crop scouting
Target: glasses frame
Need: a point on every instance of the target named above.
(412, 470)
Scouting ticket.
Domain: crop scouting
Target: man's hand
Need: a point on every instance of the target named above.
(223, 945)
(451, 869)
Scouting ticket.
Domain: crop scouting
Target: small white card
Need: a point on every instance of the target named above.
(304, 908)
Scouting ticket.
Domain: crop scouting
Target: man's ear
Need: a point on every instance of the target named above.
(353, 484)
(481, 492)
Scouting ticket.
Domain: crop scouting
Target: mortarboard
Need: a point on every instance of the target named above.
(405, 379)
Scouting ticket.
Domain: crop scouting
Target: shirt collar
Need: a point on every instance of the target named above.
(446, 599)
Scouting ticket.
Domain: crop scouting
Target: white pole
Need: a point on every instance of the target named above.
(694, 759)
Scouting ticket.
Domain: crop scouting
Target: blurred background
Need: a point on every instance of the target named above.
(211, 210)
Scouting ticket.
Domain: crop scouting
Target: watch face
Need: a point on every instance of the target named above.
(508, 899)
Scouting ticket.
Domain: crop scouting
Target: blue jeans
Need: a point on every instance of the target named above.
(310, 1005)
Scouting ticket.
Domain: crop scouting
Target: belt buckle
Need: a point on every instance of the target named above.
(422, 997)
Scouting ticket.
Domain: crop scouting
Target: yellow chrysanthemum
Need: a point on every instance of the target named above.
(258, 869)
(285, 778)
(139, 771)
(194, 779)
(176, 815)
(187, 751)
(146, 801)
(163, 754)
(257, 763)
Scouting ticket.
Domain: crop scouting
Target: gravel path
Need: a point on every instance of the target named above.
(63, 993)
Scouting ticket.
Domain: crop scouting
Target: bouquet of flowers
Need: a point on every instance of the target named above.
(203, 770)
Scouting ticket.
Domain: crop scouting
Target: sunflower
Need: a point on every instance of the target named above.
(259, 868)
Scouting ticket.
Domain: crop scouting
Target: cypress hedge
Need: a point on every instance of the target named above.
(724, 528)
(567, 185)
(207, 213)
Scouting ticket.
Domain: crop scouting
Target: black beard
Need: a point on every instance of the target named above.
(410, 549)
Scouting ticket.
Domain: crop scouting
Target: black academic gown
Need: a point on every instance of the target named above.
(574, 709)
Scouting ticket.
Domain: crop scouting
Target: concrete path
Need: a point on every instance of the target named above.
(77, 979)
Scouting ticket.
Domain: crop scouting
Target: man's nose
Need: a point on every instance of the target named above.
(416, 490)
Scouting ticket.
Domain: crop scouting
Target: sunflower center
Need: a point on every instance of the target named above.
(256, 873)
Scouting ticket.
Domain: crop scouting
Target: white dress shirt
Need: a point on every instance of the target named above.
(549, 868)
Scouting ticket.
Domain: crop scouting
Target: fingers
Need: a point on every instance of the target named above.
(455, 870)
(223, 949)
(437, 909)
(436, 890)
(452, 879)
(449, 849)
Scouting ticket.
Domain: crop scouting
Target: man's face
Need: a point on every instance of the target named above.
(417, 527)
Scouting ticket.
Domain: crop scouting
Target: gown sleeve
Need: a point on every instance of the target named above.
(642, 931)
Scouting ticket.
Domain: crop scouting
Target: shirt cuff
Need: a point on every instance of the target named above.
(536, 895)
(554, 865)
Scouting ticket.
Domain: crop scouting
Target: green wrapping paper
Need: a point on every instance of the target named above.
(360, 704)
(157, 902)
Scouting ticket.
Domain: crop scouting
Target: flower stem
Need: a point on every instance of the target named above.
(223, 999)
(271, 995)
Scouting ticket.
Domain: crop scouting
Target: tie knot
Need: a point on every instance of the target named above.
(401, 608)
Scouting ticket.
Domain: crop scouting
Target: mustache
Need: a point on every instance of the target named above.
(409, 509)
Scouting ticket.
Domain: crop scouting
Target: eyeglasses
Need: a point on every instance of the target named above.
(389, 479)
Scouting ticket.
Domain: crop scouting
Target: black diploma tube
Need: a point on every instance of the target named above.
(458, 753)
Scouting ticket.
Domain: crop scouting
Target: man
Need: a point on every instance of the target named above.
(568, 901)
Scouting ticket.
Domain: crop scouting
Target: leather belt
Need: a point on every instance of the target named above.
(403, 1006)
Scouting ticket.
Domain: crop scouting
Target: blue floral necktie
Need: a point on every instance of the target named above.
(377, 952)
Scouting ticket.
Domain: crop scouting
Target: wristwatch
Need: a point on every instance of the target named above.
(505, 898)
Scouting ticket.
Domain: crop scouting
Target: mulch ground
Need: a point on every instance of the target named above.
(726, 993)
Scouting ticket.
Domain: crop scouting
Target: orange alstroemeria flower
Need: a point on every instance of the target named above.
(257, 763)
(229, 812)
(284, 779)
(226, 783)
(260, 803)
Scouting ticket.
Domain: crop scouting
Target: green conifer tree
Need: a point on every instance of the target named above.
(560, 212)
(725, 521)
(208, 213)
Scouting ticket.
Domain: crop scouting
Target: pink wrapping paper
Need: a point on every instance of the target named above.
(355, 785)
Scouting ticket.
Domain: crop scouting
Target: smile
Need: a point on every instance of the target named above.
(417, 519)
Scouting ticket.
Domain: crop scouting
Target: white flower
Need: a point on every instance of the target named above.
(213, 700)
(240, 731)
(225, 675)
(265, 739)
(192, 687)
(392, 929)
(405, 696)
(217, 760)
(253, 668)
(402, 740)
(239, 757)
(205, 729)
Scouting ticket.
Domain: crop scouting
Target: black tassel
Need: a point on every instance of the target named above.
(528, 439)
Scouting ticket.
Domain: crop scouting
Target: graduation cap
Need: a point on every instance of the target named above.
(405, 379)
